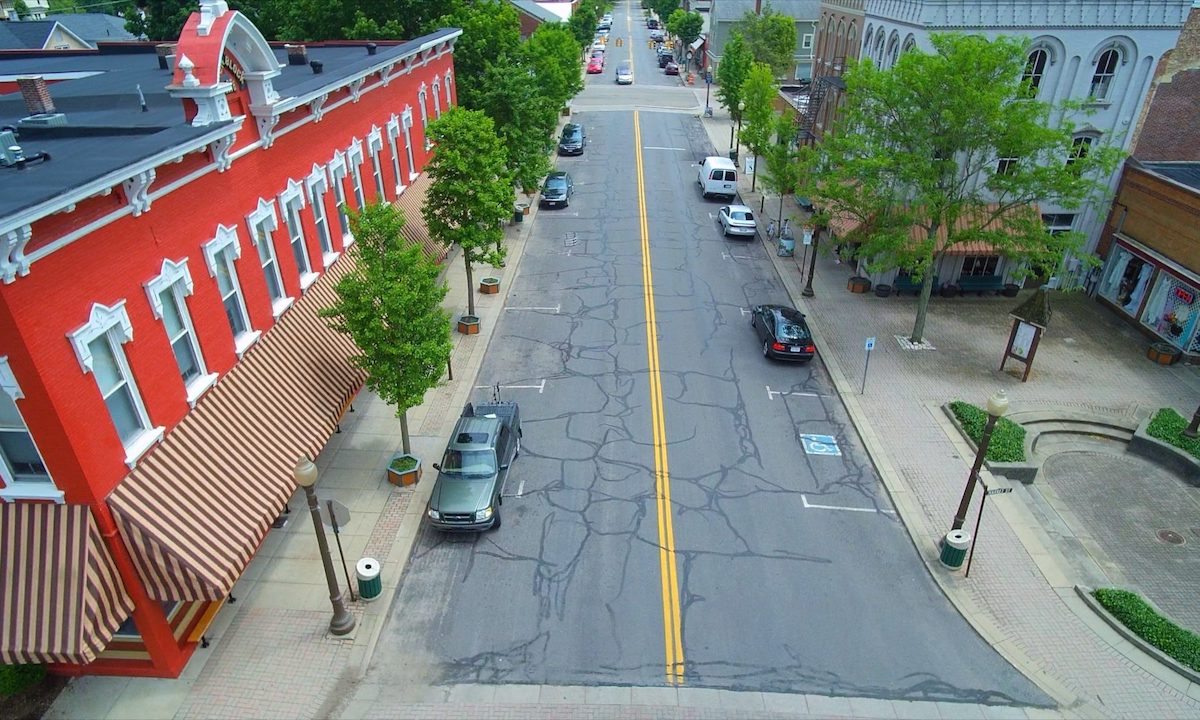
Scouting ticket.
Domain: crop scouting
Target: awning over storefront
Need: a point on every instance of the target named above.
(411, 201)
(194, 510)
(62, 598)
(844, 227)
(697, 43)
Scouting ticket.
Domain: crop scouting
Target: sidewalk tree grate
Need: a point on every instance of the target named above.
(1171, 537)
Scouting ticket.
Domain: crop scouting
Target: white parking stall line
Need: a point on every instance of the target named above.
(521, 488)
(555, 309)
(748, 311)
(772, 393)
(539, 387)
(815, 506)
(727, 256)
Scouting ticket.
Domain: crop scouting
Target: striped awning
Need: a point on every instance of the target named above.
(61, 598)
(411, 201)
(195, 508)
(845, 227)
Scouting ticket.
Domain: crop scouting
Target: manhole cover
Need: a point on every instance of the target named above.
(1170, 537)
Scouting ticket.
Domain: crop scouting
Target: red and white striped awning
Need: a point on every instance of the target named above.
(194, 510)
(61, 598)
(411, 202)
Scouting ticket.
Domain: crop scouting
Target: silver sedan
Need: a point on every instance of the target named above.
(737, 220)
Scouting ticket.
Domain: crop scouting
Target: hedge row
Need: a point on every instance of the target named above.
(15, 678)
(1168, 426)
(1008, 438)
(1137, 615)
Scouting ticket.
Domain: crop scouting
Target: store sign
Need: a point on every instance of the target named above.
(1184, 295)
(234, 68)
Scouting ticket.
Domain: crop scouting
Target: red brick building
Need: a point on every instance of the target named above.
(171, 223)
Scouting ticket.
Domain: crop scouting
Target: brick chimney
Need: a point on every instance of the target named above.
(166, 55)
(36, 94)
(297, 54)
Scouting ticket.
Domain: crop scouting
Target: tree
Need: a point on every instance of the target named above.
(732, 72)
(685, 25)
(158, 19)
(491, 34)
(471, 192)
(21, 9)
(524, 119)
(390, 305)
(771, 37)
(945, 149)
(583, 23)
(553, 55)
(365, 28)
(782, 168)
(663, 8)
(60, 6)
(758, 92)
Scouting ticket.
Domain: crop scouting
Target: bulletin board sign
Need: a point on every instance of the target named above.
(1022, 344)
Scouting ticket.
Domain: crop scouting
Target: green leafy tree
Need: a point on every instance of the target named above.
(21, 9)
(491, 34)
(664, 8)
(685, 25)
(582, 23)
(916, 158)
(758, 92)
(771, 37)
(524, 119)
(158, 19)
(60, 6)
(732, 72)
(471, 191)
(781, 167)
(390, 305)
(553, 55)
(366, 28)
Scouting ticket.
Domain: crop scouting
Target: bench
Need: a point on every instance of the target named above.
(905, 283)
(980, 284)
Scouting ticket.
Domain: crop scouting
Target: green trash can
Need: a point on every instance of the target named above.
(370, 585)
(954, 548)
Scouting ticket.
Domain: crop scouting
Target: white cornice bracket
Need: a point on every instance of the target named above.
(12, 253)
(317, 107)
(266, 128)
(220, 151)
(356, 88)
(386, 73)
(137, 191)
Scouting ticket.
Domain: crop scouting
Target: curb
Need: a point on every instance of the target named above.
(1170, 663)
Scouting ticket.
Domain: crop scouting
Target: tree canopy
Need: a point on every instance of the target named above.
(732, 72)
(946, 148)
(553, 55)
(758, 92)
(491, 35)
(685, 25)
(771, 38)
(524, 119)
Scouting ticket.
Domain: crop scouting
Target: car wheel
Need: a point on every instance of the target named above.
(517, 453)
(496, 521)
(766, 348)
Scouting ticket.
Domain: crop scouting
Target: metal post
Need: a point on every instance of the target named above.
(342, 622)
(812, 265)
(1193, 428)
(960, 515)
(337, 537)
(978, 521)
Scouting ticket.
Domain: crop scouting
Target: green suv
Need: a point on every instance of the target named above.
(466, 495)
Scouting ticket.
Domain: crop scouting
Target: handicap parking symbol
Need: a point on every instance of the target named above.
(820, 445)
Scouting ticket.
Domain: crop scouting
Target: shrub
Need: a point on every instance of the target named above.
(404, 463)
(15, 678)
(1008, 438)
(1137, 615)
(1168, 426)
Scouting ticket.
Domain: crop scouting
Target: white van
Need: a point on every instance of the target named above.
(718, 176)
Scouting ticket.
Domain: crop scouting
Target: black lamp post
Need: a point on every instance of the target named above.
(306, 477)
(997, 405)
(812, 263)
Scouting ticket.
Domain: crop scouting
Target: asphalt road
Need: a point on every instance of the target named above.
(791, 571)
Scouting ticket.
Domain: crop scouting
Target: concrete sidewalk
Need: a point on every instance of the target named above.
(1020, 595)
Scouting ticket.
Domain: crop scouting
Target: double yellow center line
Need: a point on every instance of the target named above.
(672, 631)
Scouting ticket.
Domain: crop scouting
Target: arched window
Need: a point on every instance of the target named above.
(880, 39)
(1106, 69)
(1080, 147)
(910, 42)
(1035, 69)
(893, 53)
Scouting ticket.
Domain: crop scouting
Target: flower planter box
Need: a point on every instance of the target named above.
(858, 284)
(404, 470)
(489, 285)
(468, 325)
(1163, 353)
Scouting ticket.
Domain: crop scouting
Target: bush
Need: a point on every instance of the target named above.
(15, 678)
(1168, 426)
(1137, 615)
(1008, 438)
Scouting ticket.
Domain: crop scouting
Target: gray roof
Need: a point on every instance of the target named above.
(531, 8)
(95, 27)
(730, 10)
(25, 34)
(1185, 173)
(107, 130)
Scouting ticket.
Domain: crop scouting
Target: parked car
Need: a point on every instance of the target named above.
(657, 35)
(783, 332)
(624, 74)
(671, 68)
(557, 190)
(652, 24)
(595, 66)
(664, 58)
(736, 220)
(572, 140)
(485, 442)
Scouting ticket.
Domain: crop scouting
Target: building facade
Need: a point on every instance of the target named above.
(723, 15)
(171, 224)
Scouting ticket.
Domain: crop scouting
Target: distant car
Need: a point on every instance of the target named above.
(603, 31)
(736, 220)
(557, 190)
(671, 68)
(663, 59)
(595, 66)
(783, 332)
(597, 45)
(656, 35)
(652, 24)
(572, 140)
(624, 75)
(598, 54)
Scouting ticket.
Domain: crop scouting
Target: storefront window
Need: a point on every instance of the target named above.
(1125, 280)
(1170, 312)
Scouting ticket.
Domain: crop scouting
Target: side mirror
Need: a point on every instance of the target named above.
(437, 467)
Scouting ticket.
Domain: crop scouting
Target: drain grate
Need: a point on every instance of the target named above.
(1170, 537)
(571, 239)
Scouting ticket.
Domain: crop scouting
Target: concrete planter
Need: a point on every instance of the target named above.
(404, 470)
(468, 325)
(1165, 454)
(1024, 472)
(1163, 353)
(489, 285)
(883, 290)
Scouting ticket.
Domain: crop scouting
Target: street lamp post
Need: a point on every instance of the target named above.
(1193, 428)
(707, 88)
(812, 263)
(741, 109)
(306, 477)
(997, 405)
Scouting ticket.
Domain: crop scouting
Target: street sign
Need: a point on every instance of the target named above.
(870, 344)
(820, 445)
(998, 491)
(341, 513)
(708, 77)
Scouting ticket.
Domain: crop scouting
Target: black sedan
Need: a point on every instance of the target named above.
(572, 140)
(783, 332)
(557, 190)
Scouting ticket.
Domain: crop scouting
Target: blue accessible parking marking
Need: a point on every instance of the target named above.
(820, 445)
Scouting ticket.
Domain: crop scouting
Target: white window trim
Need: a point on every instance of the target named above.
(806, 42)
(177, 277)
(449, 79)
(437, 99)
(375, 147)
(292, 200)
(354, 161)
(113, 321)
(337, 174)
(393, 133)
(12, 489)
(406, 122)
(228, 237)
(264, 217)
(318, 184)
(423, 102)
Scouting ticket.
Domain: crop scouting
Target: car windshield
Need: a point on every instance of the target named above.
(556, 183)
(741, 215)
(790, 332)
(472, 463)
(572, 135)
(623, 70)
